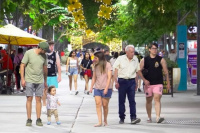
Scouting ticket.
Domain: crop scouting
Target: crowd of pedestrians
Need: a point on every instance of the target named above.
(39, 71)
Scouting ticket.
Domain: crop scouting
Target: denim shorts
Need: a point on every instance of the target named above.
(98, 92)
(73, 71)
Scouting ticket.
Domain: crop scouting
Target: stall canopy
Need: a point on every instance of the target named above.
(12, 35)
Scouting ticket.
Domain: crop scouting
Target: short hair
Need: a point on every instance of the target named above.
(50, 88)
(129, 46)
(20, 50)
(153, 44)
(51, 42)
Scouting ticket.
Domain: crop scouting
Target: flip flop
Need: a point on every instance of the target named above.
(98, 125)
(149, 120)
(105, 124)
(161, 119)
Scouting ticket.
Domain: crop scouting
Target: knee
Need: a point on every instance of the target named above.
(98, 104)
(157, 99)
(38, 99)
(105, 106)
(29, 99)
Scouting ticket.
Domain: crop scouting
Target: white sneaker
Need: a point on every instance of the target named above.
(44, 109)
(70, 92)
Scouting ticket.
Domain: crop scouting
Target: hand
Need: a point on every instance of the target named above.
(84, 69)
(146, 82)
(59, 103)
(45, 85)
(59, 79)
(91, 90)
(23, 82)
(105, 91)
(136, 86)
(66, 70)
(117, 85)
(168, 87)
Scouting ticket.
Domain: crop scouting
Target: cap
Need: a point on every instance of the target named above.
(44, 46)
(3, 51)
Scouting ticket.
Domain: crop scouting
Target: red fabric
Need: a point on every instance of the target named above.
(4, 64)
(88, 72)
(62, 53)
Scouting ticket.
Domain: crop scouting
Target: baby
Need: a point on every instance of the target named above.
(52, 102)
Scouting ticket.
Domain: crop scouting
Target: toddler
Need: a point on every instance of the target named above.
(52, 102)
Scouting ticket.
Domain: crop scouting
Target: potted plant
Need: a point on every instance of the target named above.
(176, 73)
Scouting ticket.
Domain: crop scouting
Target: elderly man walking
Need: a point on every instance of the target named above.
(126, 68)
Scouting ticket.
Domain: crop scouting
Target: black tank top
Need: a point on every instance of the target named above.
(154, 67)
(51, 65)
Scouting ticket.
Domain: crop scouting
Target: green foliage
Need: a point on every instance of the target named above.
(171, 64)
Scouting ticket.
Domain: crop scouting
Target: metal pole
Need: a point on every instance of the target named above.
(198, 49)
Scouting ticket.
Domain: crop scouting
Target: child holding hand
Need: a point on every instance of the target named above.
(52, 102)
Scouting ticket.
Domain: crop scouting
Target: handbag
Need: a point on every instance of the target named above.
(83, 72)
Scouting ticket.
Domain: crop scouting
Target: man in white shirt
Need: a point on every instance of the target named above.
(126, 68)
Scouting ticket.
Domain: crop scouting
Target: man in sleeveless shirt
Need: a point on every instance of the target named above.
(53, 65)
(155, 65)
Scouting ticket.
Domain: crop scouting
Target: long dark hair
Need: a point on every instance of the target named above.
(102, 61)
(70, 55)
(85, 57)
(115, 56)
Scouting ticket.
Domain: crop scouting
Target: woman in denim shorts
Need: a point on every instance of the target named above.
(72, 70)
(101, 81)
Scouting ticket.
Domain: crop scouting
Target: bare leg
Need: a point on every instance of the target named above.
(105, 109)
(86, 82)
(149, 106)
(29, 106)
(112, 81)
(139, 83)
(157, 98)
(75, 81)
(44, 97)
(38, 106)
(70, 82)
(98, 101)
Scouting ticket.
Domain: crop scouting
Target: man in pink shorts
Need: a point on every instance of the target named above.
(152, 68)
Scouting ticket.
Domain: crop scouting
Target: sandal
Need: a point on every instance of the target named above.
(98, 125)
(105, 124)
(161, 119)
(149, 120)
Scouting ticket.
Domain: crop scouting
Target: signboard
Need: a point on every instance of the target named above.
(181, 47)
(165, 91)
(192, 65)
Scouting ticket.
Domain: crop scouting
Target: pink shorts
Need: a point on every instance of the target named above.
(151, 89)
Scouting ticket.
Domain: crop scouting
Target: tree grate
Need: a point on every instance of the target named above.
(184, 122)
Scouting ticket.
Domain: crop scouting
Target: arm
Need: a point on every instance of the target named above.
(115, 78)
(67, 65)
(78, 65)
(45, 75)
(109, 74)
(146, 82)
(164, 66)
(58, 67)
(93, 81)
(22, 67)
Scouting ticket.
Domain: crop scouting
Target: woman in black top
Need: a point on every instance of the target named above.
(86, 66)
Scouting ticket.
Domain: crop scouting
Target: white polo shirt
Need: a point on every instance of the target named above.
(126, 68)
